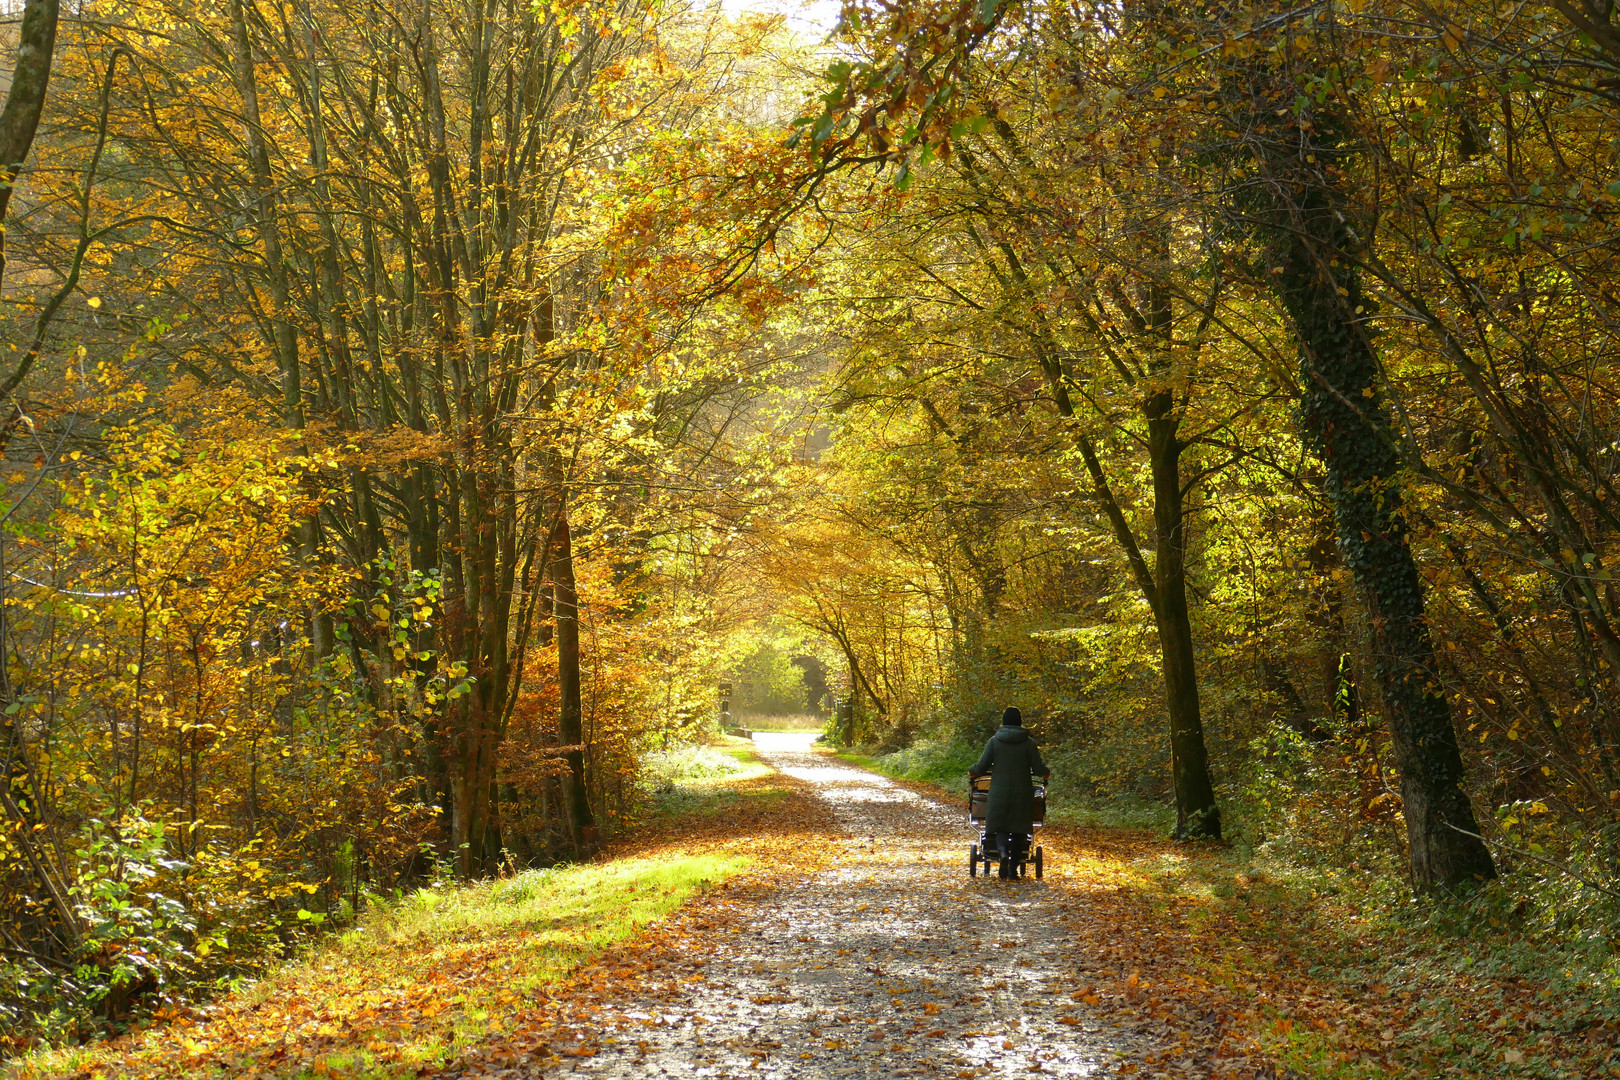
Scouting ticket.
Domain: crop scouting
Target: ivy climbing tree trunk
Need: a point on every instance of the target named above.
(1345, 420)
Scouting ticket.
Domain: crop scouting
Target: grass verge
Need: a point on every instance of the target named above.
(422, 980)
(700, 781)
(944, 764)
(1347, 981)
(787, 722)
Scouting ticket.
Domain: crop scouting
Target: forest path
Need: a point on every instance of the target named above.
(890, 961)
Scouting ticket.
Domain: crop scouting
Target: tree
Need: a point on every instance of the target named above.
(1445, 848)
(411, 184)
(1344, 416)
(25, 101)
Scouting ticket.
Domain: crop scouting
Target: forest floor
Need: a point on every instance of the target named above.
(818, 922)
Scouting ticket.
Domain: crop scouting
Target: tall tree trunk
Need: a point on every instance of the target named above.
(1345, 420)
(570, 719)
(472, 784)
(285, 336)
(1163, 586)
(30, 77)
(19, 121)
(284, 343)
(1196, 812)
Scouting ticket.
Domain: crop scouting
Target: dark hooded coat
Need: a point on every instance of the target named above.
(1012, 760)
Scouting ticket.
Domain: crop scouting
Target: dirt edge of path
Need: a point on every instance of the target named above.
(790, 839)
(777, 824)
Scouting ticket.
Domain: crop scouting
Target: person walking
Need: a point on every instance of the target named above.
(1012, 761)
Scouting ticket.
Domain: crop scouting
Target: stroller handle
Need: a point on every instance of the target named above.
(982, 783)
(979, 800)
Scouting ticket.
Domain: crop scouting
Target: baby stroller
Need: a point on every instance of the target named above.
(1013, 864)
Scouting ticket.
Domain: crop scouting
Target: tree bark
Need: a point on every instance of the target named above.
(571, 714)
(285, 338)
(1345, 420)
(30, 78)
(1197, 816)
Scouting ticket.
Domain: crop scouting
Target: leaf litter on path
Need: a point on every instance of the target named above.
(854, 944)
(456, 967)
(876, 954)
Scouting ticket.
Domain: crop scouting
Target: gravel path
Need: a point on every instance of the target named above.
(891, 962)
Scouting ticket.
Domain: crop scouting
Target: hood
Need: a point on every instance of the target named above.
(1012, 735)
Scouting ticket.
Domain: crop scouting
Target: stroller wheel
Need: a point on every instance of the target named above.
(973, 860)
(1039, 863)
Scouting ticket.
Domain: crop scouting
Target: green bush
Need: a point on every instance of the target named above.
(665, 771)
(768, 683)
(1071, 797)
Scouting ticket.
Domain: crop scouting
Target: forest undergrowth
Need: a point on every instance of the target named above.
(1290, 968)
(421, 978)
(1331, 971)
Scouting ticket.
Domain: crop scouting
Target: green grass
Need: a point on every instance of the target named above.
(946, 763)
(793, 722)
(700, 765)
(416, 980)
(699, 780)
(564, 915)
(931, 762)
